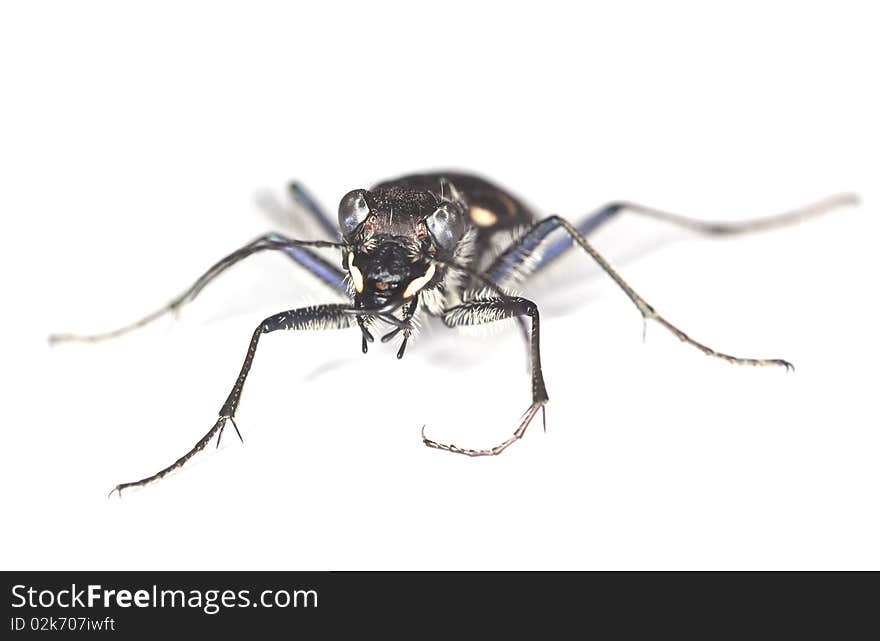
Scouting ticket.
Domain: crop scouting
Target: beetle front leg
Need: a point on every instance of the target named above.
(489, 310)
(313, 317)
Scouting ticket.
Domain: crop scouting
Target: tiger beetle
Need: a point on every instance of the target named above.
(428, 243)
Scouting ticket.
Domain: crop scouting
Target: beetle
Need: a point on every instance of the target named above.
(425, 244)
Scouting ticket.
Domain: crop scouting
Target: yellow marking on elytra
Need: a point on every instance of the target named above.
(483, 217)
(357, 278)
(511, 207)
(417, 283)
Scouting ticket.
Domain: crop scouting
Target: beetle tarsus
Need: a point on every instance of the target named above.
(498, 449)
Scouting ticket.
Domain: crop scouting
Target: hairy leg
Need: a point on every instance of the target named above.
(314, 317)
(488, 310)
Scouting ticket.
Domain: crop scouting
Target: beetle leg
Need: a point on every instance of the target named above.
(301, 196)
(516, 261)
(314, 317)
(295, 249)
(647, 311)
(488, 310)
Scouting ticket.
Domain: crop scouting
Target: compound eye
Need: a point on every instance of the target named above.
(447, 225)
(353, 211)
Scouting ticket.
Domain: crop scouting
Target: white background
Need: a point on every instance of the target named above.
(134, 140)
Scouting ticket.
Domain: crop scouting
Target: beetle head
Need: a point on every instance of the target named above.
(393, 236)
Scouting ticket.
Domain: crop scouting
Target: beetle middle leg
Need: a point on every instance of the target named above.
(488, 310)
(313, 317)
(297, 250)
(552, 223)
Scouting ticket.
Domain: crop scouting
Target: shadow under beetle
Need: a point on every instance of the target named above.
(427, 242)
